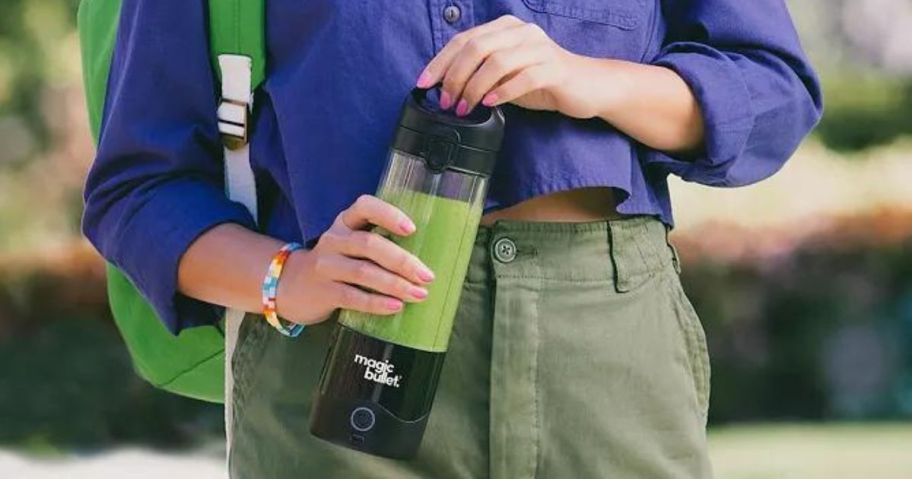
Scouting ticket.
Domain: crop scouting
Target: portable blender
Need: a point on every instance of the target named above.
(380, 375)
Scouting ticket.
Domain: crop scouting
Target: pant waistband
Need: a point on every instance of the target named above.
(622, 251)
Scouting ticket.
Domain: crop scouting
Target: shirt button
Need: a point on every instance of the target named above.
(452, 14)
(505, 250)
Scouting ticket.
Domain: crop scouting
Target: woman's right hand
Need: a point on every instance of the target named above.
(353, 268)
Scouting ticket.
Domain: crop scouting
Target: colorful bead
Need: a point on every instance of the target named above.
(270, 290)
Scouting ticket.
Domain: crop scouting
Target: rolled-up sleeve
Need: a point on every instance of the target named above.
(157, 180)
(757, 92)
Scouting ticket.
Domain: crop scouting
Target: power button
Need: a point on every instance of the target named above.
(362, 419)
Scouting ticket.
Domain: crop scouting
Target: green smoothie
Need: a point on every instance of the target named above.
(445, 246)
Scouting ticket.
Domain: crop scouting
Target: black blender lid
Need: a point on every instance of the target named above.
(468, 143)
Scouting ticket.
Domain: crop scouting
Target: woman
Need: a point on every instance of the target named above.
(575, 353)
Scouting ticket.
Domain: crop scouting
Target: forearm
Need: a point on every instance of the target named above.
(651, 104)
(226, 266)
(348, 267)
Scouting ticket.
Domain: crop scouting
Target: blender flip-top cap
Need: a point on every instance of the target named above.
(446, 141)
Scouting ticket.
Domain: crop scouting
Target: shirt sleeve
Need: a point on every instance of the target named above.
(757, 91)
(157, 180)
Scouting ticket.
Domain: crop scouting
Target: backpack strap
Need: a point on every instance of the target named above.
(234, 123)
(237, 46)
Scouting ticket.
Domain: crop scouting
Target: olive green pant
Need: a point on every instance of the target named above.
(574, 354)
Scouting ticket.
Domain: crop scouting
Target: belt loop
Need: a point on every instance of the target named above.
(675, 258)
(618, 259)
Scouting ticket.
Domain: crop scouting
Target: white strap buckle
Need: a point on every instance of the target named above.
(233, 123)
(237, 100)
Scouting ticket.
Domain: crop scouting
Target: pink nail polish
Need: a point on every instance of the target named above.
(426, 275)
(490, 99)
(419, 293)
(462, 109)
(407, 226)
(424, 81)
(446, 101)
(394, 304)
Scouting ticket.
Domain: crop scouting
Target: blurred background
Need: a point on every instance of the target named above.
(804, 282)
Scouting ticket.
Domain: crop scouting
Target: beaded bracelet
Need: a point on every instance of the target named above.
(270, 288)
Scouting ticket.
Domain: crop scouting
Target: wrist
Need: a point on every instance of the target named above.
(270, 290)
(595, 87)
(613, 87)
(292, 275)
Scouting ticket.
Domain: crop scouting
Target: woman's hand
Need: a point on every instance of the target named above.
(346, 260)
(511, 61)
(508, 61)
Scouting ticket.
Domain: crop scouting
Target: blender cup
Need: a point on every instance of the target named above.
(380, 374)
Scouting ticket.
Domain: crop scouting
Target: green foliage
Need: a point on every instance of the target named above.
(823, 332)
(865, 110)
(65, 376)
(70, 385)
(31, 32)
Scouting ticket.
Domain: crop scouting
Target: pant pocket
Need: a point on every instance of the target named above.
(695, 345)
(247, 354)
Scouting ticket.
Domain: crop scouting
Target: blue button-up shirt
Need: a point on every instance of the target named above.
(337, 73)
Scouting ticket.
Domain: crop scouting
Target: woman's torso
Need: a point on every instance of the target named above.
(338, 71)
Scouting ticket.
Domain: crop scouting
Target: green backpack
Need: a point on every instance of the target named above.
(192, 363)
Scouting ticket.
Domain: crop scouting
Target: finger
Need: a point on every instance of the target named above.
(356, 299)
(367, 274)
(384, 252)
(436, 69)
(498, 68)
(369, 210)
(527, 81)
(472, 55)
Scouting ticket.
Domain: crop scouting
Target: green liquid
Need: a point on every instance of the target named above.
(443, 241)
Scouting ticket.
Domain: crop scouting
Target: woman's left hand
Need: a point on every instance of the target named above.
(509, 61)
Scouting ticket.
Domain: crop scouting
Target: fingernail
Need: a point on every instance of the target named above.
(407, 226)
(418, 293)
(446, 101)
(462, 109)
(393, 304)
(424, 81)
(425, 275)
(490, 99)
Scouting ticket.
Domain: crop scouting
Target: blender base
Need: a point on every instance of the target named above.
(367, 427)
(375, 396)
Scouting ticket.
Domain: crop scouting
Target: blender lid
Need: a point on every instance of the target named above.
(468, 143)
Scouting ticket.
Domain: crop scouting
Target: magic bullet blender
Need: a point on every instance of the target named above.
(380, 375)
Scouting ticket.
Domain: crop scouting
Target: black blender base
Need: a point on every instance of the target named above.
(367, 427)
(375, 396)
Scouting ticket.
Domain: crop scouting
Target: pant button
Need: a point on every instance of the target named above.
(504, 250)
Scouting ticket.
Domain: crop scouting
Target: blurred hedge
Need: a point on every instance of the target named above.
(862, 111)
(65, 378)
(808, 322)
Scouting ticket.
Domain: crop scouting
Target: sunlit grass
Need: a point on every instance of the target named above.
(780, 451)
(838, 451)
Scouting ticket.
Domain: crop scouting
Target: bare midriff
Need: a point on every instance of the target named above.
(573, 206)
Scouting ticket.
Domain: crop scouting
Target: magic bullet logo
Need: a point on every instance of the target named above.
(379, 371)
